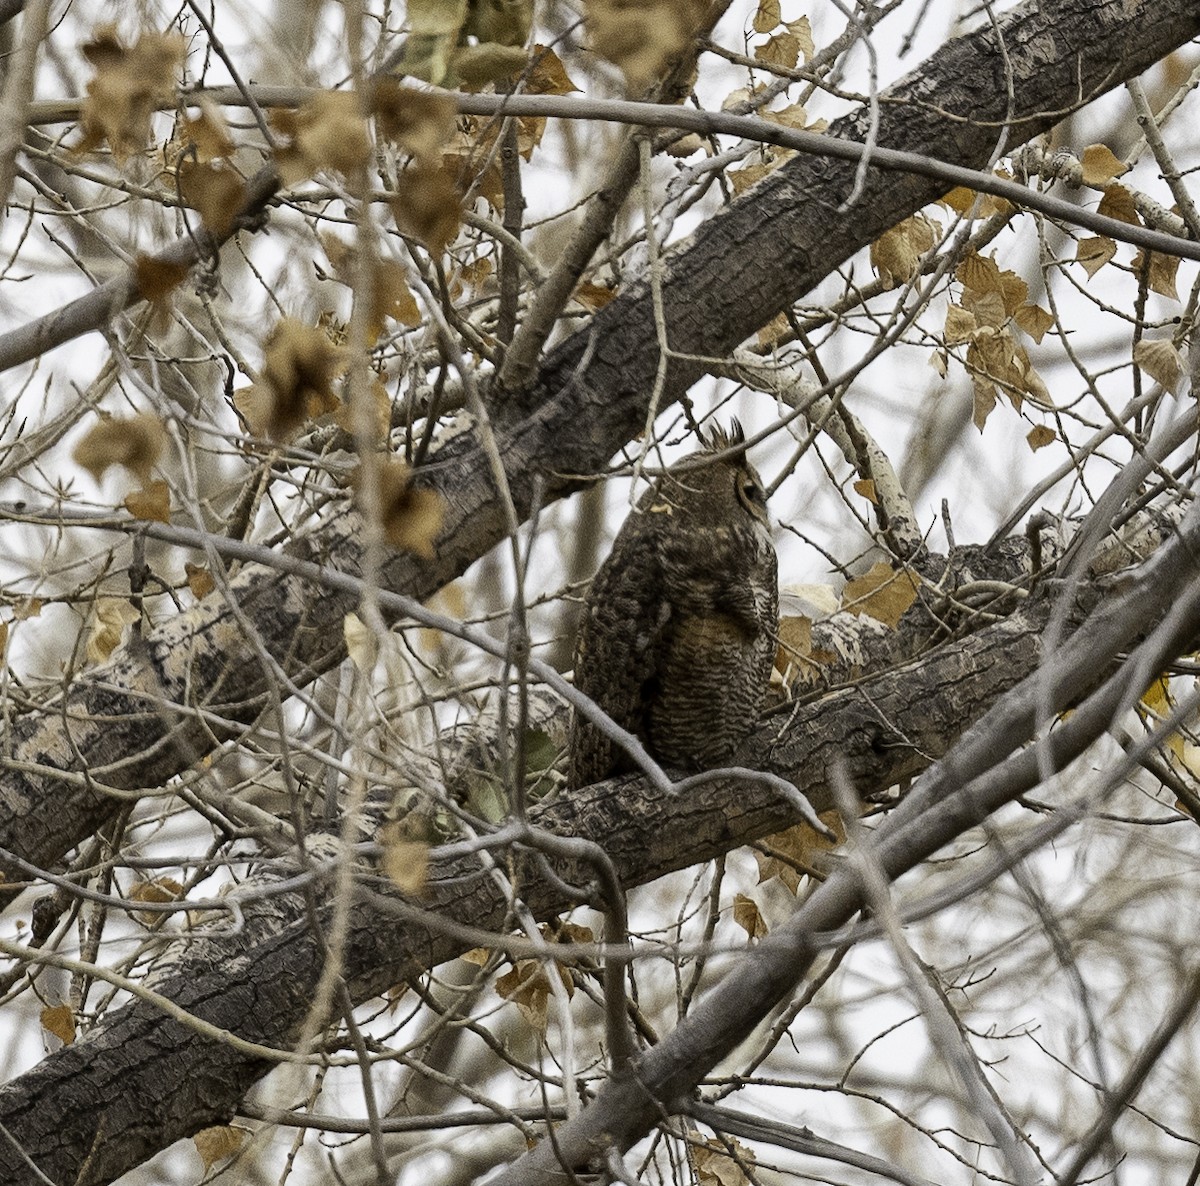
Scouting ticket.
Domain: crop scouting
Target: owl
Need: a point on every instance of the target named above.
(677, 636)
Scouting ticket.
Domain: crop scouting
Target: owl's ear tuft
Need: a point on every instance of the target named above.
(719, 439)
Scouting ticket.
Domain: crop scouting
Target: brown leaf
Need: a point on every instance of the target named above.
(866, 487)
(783, 49)
(643, 39)
(715, 1166)
(1162, 272)
(208, 133)
(547, 76)
(412, 516)
(1118, 203)
(798, 850)
(327, 132)
(295, 383)
(960, 325)
(28, 607)
(1093, 253)
(1034, 320)
(1039, 437)
(427, 206)
(130, 84)
(767, 16)
(199, 580)
(1101, 165)
(1160, 360)
(109, 619)
(215, 191)
(420, 123)
(896, 254)
(157, 278)
(528, 986)
(984, 395)
(959, 199)
(381, 412)
(390, 295)
(59, 1020)
(748, 916)
(593, 296)
(882, 593)
(152, 503)
(136, 442)
(404, 859)
(218, 1142)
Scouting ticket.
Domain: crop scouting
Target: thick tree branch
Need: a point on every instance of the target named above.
(143, 1080)
(742, 267)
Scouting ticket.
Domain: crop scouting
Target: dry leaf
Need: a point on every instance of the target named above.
(896, 254)
(59, 1020)
(795, 647)
(774, 332)
(405, 860)
(215, 191)
(1161, 275)
(199, 580)
(157, 278)
(715, 1166)
(136, 442)
(411, 515)
(748, 916)
(882, 593)
(1093, 253)
(1040, 436)
(643, 38)
(218, 1142)
(428, 206)
(767, 16)
(783, 49)
(866, 487)
(109, 619)
(390, 296)
(420, 123)
(799, 848)
(960, 325)
(547, 76)
(1118, 203)
(26, 608)
(152, 503)
(1101, 165)
(1160, 360)
(984, 395)
(1034, 320)
(130, 84)
(295, 383)
(801, 29)
(528, 986)
(959, 199)
(593, 296)
(327, 132)
(208, 134)
(361, 644)
(380, 412)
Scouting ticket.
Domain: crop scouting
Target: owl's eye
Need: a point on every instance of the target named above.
(752, 491)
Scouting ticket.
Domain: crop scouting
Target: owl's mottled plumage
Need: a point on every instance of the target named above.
(677, 636)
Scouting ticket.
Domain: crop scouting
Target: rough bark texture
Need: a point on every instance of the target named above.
(143, 1080)
(741, 268)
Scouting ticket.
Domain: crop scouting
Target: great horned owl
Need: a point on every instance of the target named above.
(677, 636)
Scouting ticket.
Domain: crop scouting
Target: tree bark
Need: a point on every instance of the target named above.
(144, 1079)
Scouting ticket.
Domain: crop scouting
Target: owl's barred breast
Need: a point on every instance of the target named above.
(678, 635)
